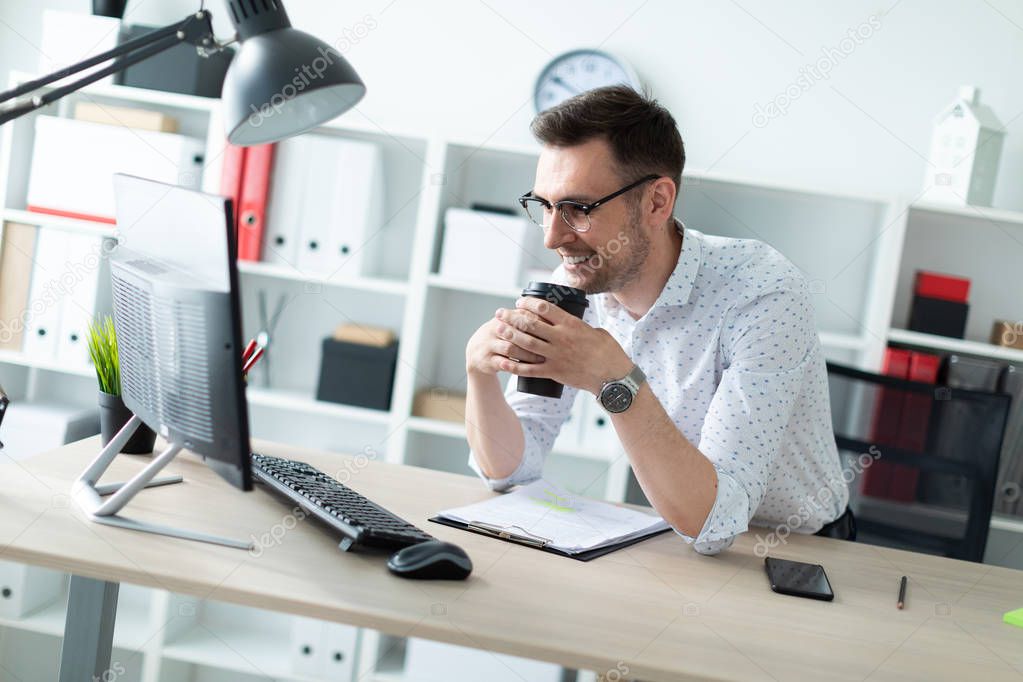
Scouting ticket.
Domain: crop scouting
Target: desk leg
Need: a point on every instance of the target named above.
(88, 630)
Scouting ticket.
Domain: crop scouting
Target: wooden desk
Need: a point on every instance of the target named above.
(657, 610)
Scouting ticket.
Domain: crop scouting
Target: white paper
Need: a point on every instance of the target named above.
(567, 521)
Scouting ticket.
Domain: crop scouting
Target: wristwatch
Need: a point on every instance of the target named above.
(617, 395)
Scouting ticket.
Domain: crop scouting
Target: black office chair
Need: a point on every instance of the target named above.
(923, 459)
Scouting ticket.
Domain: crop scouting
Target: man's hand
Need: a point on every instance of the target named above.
(573, 352)
(486, 350)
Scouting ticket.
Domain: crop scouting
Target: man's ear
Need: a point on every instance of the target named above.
(662, 200)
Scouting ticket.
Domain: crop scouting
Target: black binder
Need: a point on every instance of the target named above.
(525, 538)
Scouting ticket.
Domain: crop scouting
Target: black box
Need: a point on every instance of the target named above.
(354, 374)
(179, 69)
(938, 316)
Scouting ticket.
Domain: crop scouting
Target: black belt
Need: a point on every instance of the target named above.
(842, 528)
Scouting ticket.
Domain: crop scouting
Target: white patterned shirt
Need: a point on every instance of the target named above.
(730, 349)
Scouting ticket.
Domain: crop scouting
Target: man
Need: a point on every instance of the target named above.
(708, 343)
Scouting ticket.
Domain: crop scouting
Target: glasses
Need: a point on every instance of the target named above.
(576, 214)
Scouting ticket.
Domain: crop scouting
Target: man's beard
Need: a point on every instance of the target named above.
(615, 272)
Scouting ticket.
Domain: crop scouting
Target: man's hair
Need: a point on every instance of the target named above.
(643, 135)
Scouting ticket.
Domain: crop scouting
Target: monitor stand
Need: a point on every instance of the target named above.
(88, 494)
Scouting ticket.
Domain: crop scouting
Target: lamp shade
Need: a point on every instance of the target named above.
(283, 81)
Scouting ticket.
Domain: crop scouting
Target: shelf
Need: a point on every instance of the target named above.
(441, 282)
(951, 345)
(298, 401)
(256, 652)
(140, 95)
(16, 358)
(983, 213)
(439, 427)
(845, 341)
(15, 215)
(1013, 524)
(694, 177)
(47, 621)
(374, 284)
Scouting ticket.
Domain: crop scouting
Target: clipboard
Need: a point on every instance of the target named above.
(523, 537)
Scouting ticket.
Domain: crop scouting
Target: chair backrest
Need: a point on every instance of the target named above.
(922, 460)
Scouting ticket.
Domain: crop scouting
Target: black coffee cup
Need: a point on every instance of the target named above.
(568, 299)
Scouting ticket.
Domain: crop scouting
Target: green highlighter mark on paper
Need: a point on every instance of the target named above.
(554, 501)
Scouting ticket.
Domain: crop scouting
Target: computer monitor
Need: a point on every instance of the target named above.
(174, 284)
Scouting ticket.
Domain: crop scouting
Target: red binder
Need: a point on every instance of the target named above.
(231, 176)
(916, 413)
(885, 424)
(251, 211)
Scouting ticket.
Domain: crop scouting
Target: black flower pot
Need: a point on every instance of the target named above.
(113, 415)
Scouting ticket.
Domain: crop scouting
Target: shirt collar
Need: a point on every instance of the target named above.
(680, 283)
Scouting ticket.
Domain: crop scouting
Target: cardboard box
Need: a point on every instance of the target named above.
(364, 334)
(129, 117)
(440, 403)
(1007, 334)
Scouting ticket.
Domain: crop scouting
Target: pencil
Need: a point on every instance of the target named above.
(902, 593)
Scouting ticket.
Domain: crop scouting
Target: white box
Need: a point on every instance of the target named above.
(428, 661)
(24, 589)
(73, 164)
(484, 247)
(71, 37)
(32, 428)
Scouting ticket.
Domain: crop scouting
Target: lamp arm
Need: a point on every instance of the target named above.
(196, 29)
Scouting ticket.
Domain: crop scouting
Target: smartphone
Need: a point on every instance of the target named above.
(798, 579)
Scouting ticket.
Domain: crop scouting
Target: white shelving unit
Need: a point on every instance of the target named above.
(858, 253)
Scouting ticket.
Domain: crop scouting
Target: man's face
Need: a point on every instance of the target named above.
(611, 253)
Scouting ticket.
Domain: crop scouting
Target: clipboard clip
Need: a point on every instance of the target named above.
(505, 533)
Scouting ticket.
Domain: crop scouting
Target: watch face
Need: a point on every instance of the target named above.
(616, 397)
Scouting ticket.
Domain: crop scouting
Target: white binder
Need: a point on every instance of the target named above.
(341, 207)
(286, 200)
(45, 304)
(341, 642)
(84, 254)
(307, 647)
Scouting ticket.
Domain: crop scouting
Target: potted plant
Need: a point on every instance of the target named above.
(113, 414)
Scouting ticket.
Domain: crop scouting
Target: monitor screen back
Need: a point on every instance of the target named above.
(174, 283)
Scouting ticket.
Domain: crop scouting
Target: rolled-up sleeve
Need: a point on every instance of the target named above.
(766, 344)
(541, 419)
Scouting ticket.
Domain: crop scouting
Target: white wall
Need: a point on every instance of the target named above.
(467, 68)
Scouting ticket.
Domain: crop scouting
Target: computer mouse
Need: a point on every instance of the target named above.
(431, 560)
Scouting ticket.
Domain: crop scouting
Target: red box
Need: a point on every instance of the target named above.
(945, 287)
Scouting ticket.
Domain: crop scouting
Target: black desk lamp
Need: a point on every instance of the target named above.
(282, 82)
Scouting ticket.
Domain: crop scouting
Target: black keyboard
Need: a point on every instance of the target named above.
(360, 521)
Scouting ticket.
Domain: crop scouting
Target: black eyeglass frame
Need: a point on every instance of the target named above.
(585, 208)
